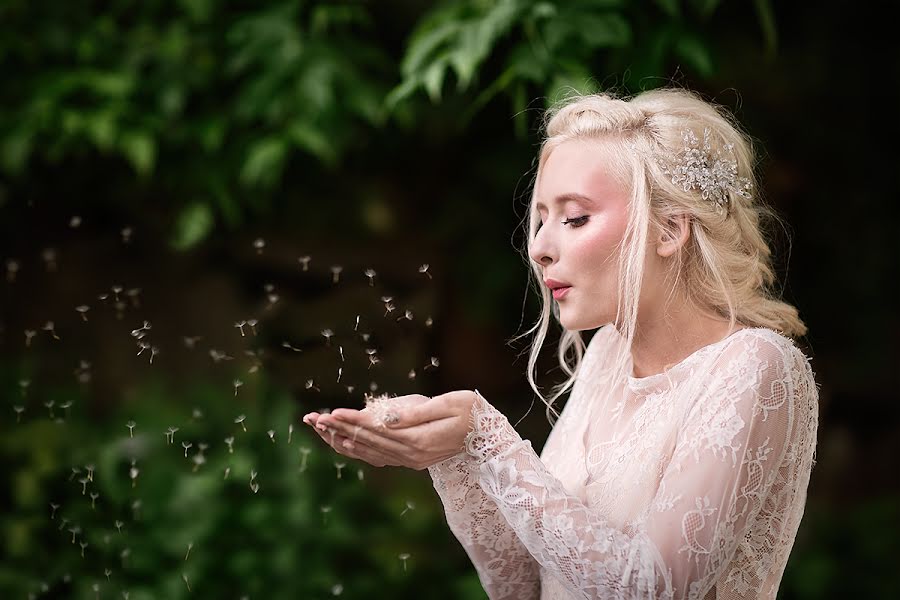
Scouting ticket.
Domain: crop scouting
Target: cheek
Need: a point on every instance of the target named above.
(596, 249)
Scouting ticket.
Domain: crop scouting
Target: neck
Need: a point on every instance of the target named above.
(668, 337)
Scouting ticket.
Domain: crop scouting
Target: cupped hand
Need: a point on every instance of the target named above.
(409, 431)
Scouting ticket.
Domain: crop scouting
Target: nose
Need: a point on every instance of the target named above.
(542, 250)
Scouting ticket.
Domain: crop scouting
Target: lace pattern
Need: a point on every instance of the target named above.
(678, 491)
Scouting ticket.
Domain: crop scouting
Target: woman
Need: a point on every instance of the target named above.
(680, 464)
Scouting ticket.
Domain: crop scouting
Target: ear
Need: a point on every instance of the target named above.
(669, 242)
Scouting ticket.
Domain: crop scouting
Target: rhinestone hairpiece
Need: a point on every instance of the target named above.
(714, 174)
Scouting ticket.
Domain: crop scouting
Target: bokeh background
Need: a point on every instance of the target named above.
(228, 171)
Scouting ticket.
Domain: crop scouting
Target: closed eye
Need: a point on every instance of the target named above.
(576, 221)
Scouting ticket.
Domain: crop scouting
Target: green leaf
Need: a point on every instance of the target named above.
(433, 79)
(314, 141)
(696, 54)
(766, 17)
(423, 47)
(609, 30)
(140, 148)
(264, 162)
(193, 224)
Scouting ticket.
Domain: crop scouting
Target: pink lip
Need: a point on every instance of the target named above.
(560, 293)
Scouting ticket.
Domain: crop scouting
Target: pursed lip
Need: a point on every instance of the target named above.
(553, 284)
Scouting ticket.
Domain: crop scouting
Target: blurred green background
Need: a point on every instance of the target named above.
(176, 162)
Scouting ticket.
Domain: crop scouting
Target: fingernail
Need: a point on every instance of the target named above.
(348, 444)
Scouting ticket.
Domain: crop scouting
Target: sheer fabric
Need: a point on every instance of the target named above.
(686, 484)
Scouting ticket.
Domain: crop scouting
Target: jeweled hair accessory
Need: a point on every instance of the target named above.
(714, 174)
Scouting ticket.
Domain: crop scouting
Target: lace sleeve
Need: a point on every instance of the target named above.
(751, 432)
(504, 565)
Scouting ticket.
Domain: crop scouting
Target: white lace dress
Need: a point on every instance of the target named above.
(685, 484)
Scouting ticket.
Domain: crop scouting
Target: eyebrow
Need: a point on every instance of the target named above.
(566, 198)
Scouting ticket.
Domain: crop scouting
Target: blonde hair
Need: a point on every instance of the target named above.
(725, 268)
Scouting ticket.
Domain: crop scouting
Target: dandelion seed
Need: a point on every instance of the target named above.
(90, 472)
(290, 432)
(304, 262)
(429, 322)
(143, 346)
(66, 406)
(336, 273)
(170, 434)
(63, 524)
(272, 299)
(227, 472)
(133, 295)
(125, 595)
(218, 356)
(240, 325)
(119, 525)
(125, 553)
(83, 546)
(133, 474)
(229, 441)
(107, 572)
(310, 385)
(356, 326)
(153, 352)
(83, 481)
(254, 487)
(327, 334)
(403, 558)
(75, 222)
(339, 466)
(186, 446)
(74, 531)
(370, 273)
(411, 375)
(290, 347)
(199, 460)
(240, 420)
(94, 496)
(49, 257)
(53, 508)
(237, 383)
(190, 342)
(19, 410)
(259, 245)
(185, 578)
(12, 267)
(126, 234)
(373, 387)
(130, 425)
(253, 475)
(252, 323)
(337, 589)
(271, 433)
(407, 314)
(325, 511)
(75, 471)
(120, 310)
(83, 372)
(365, 336)
(136, 509)
(202, 447)
(116, 290)
(83, 310)
(350, 389)
(409, 506)
(190, 545)
(388, 308)
(304, 454)
(434, 364)
(360, 475)
(373, 360)
(196, 414)
(424, 270)
(29, 333)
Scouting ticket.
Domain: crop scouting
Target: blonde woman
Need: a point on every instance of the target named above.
(680, 464)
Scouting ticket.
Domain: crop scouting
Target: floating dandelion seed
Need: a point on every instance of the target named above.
(229, 441)
(424, 270)
(130, 425)
(90, 472)
(360, 475)
(125, 553)
(186, 446)
(190, 342)
(153, 352)
(83, 372)
(227, 472)
(240, 420)
(339, 466)
(403, 558)
(340, 372)
(365, 336)
(196, 414)
(143, 346)
(116, 290)
(202, 447)
(373, 387)
(236, 383)
(199, 460)
(49, 405)
(388, 308)
(125, 594)
(350, 389)
(190, 546)
(126, 234)
(304, 453)
(66, 406)
(310, 385)
(370, 273)
(272, 299)
(407, 314)
(336, 273)
(411, 375)
(218, 356)
(23, 386)
(75, 471)
(409, 506)
(107, 572)
(429, 322)
(170, 434)
(29, 333)
(63, 524)
(325, 511)
(290, 432)
(83, 546)
(341, 352)
(53, 508)
(290, 347)
(186, 582)
(49, 257)
(133, 294)
(356, 326)
(434, 364)
(94, 496)
(84, 481)
(12, 267)
(304, 262)
(74, 531)
(337, 589)
(119, 525)
(75, 222)
(240, 325)
(253, 475)
(252, 323)
(135, 509)
(327, 334)
(271, 433)
(82, 310)
(373, 360)
(19, 410)
(255, 487)
(259, 245)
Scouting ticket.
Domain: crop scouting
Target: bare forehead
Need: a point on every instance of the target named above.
(566, 198)
(578, 171)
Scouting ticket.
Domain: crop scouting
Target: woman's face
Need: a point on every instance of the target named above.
(583, 213)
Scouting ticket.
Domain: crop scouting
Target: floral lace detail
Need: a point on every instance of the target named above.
(703, 491)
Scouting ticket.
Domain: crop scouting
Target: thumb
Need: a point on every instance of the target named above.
(410, 416)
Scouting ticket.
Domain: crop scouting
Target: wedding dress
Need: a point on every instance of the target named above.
(685, 484)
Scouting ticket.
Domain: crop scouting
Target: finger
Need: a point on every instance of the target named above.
(357, 434)
(357, 450)
(435, 409)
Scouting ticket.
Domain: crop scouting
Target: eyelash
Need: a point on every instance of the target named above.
(576, 222)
